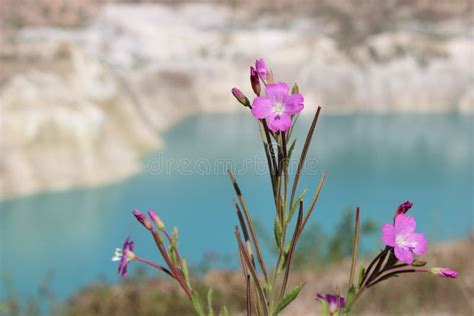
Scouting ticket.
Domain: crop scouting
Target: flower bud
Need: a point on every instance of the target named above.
(143, 220)
(444, 272)
(261, 68)
(156, 220)
(241, 97)
(175, 233)
(255, 81)
(404, 207)
(295, 89)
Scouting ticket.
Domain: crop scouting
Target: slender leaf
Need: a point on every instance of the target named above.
(295, 205)
(361, 276)
(224, 312)
(186, 272)
(351, 294)
(287, 299)
(418, 263)
(277, 229)
(209, 303)
(197, 304)
(292, 147)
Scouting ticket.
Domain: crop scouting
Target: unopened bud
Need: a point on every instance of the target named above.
(156, 220)
(143, 220)
(403, 208)
(295, 89)
(255, 81)
(175, 233)
(261, 68)
(241, 97)
(444, 272)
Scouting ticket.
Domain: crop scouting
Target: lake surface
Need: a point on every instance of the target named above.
(375, 162)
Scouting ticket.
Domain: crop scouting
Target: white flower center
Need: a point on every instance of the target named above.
(402, 241)
(278, 108)
(118, 254)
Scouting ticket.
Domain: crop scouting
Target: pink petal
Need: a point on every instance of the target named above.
(420, 241)
(404, 224)
(293, 103)
(403, 255)
(388, 235)
(261, 68)
(277, 91)
(262, 107)
(279, 122)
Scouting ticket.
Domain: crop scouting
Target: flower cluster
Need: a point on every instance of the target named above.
(177, 268)
(278, 106)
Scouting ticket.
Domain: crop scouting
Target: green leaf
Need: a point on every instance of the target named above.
(350, 298)
(186, 272)
(361, 276)
(278, 232)
(173, 256)
(295, 205)
(267, 287)
(324, 309)
(209, 302)
(295, 89)
(288, 298)
(418, 263)
(197, 304)
(224, 312)
(292, 147)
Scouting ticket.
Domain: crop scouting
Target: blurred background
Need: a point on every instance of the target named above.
(107, 106)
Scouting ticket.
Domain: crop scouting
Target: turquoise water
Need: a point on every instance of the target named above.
(374, 162)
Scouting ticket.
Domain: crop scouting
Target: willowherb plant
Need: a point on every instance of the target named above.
(276, 109)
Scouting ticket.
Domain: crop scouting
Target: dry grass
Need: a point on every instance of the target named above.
(408, 295)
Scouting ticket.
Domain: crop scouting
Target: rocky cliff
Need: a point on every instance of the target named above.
(81, 105)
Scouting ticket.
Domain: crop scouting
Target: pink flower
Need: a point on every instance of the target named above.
(261, 68)
(278, 106)
(124, 255)
(444, 272)
(334, 303)
(403, 238)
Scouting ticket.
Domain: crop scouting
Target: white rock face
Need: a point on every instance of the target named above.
(203, 51)
(87, 111)
(67, 128)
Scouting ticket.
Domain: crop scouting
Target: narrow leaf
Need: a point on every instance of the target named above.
(295, 205)
(224, 312)
(197, 304)
(350, 298)
(209, 303)
(278, 232)
(288, 298)
(186, 272)
(361, 276)
(418, 263)
(292, 147)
